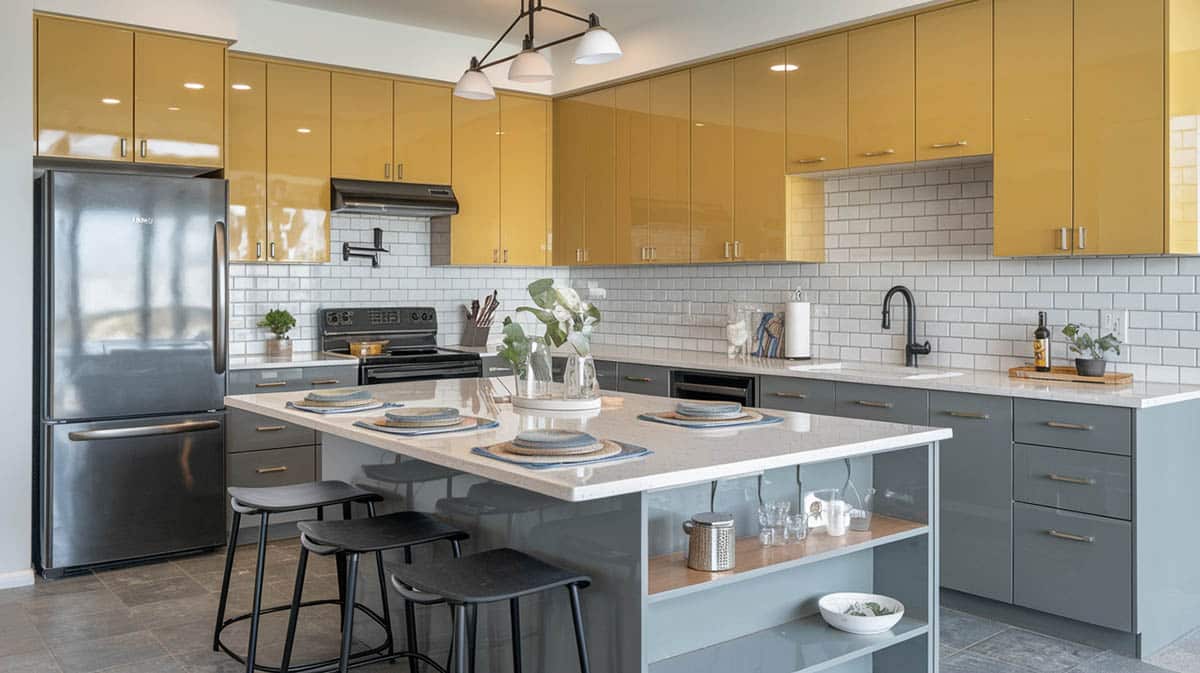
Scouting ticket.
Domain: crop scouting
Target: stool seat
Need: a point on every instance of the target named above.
(487, 577)
(380, 533)
(300, 496)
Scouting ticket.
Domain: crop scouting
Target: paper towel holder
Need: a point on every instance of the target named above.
(797, 331)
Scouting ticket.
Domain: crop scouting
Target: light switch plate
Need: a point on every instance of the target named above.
(1114, 321)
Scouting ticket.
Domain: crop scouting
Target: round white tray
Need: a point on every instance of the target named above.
(555, 404)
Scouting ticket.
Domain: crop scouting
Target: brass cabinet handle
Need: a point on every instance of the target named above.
(812, 160)
(258, 250)
(269, 428)
(737, 249)
(1069, 426)
(142, 148)
(387, 169)
(271, 250)
(326, 382)
(879, 153)
(727, 244)
(1082, 481)
(653, 252)
(505, 256)
(942, 146)
(1064, 242)
(399, 171)
(272, 384)
(493, 370)
(1071, 536)
(269, 470)
(639, 379)
(1082, 237)
(124, 147)
(874, 404)
(969, 414)
(792, 395)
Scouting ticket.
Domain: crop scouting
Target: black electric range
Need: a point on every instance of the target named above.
(412, 353)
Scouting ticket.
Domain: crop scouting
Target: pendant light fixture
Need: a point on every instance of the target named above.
(530, 65)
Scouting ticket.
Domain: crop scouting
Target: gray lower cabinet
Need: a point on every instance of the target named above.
(275, 380)
(1073, 426)
(644, 379)
(494, 365)
(1081, 481)
(607, 374)
(976, 495)
(1073, 565)
(795, 394)
(881, 403)
(274, 467)
(251, 432)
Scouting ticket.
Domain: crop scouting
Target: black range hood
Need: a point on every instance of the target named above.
(397, 199)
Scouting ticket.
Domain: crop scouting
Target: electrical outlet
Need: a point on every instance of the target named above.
(1114, 321)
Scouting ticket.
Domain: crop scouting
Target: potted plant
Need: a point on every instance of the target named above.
(568, 319)
(1092, 362)
(280, 322)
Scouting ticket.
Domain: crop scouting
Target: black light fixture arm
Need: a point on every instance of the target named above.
(527, 11)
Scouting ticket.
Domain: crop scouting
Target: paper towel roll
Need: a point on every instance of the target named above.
(797, 333)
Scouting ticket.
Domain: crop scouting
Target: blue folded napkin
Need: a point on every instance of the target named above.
(628, 451)
(341, 410)
(553, 439)
(699, 423)
(484, 424)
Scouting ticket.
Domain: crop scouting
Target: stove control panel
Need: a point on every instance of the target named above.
(391, 319)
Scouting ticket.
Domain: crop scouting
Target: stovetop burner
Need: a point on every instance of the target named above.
(412, 354)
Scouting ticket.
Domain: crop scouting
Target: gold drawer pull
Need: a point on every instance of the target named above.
(1089, 539)
(1082, 481)
(1070, 426)
(813, 160)
(639, 379)
(270, 428)
(273, 384)
(874, 404)
(969, 414)
(326, 382)
(269, 470)
(879, 153)
(942, 146)
(796, 396)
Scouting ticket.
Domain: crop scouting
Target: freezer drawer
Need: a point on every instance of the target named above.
(118, 490)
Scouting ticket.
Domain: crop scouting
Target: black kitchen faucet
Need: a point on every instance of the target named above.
(911, 348)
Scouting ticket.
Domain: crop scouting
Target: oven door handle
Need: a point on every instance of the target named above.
(372, 375)
(734, 393)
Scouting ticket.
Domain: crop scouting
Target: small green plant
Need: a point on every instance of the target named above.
(279, 321)
(568, 319)
(515, 346)
(1082, 343)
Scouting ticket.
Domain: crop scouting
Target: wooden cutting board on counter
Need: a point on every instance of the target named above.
(1069, 375)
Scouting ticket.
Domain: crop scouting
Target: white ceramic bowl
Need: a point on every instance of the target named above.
(834, 606)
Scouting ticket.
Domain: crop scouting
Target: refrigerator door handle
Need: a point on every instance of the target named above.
(220, 297)
(143, 431)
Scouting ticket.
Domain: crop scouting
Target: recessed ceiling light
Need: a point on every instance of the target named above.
(193, 85)
(784, 67)
(241, 87)
(303, 130)
(111, 101)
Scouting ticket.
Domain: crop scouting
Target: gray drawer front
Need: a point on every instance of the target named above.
(1081, 481)
(496, 366)
(1073, 426)
(251, 432)
(976, 506)
(1087, 580)
(882, 403)
(273, 467)
(606, 374)
(793, 394)
(644, 379)
(331, 376)
(245, 381)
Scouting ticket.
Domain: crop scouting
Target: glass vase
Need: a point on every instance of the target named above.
(532, 378)
(579, 378)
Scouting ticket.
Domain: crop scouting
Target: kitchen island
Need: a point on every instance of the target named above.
(621, 523)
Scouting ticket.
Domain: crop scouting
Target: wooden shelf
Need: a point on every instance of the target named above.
(670, 576)
(802, 646)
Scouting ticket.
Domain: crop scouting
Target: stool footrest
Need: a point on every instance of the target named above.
(317, 666)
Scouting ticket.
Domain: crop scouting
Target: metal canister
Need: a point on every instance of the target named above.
(710, 541)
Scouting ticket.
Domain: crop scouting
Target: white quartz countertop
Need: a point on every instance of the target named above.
(681, 456)
(1136, 395)
(306, 359)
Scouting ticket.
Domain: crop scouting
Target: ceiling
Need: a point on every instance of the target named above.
(487, 18)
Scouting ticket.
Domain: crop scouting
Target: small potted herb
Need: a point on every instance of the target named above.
(280, 322)
(1092, 362)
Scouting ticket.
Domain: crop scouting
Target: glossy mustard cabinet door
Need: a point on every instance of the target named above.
(1183, 92)
(1119, 127)
(297, 164)
(246, 160)
(600, 164)
(362, 127)
(179, 89)
(670, 167)
(817, 104)
(85, 90)
(1033, 128)
(524, 124)
(570, 188)
(632, 219)
(712, 163)
(882, 101)
(759, 156)
(954, 81)
(422, 133)
(475, 230)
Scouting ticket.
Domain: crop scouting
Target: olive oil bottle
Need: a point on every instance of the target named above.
(1041, 344)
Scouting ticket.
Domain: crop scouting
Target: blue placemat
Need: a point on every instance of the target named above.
(341, 410)
(485, 424)
(628, 451)
(691, 425)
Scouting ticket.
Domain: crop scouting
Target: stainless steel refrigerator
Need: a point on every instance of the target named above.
(131, 338)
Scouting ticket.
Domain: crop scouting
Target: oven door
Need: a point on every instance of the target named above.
(424, 371)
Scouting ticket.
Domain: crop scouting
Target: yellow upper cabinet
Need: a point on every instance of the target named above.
(85, 90)
(246, 160)
(599, 128)
(298, 134)
(1184, 112)
(817, 104)
(712, 163)
(570, 184)
(1120, 159)
(670, 167)
(882, 105)
(179, 109)
(362, 127)
(632, 219)
(475, 230)
(524, 126)
(954, 81)
(1033, 128)
(422, 123)
(759, 156)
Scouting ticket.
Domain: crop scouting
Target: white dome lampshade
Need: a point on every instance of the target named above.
(474, 84)
(597, 45)
(530, 66)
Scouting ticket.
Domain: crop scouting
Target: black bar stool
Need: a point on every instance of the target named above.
(264, 502)
(490, 577)
(352, 538)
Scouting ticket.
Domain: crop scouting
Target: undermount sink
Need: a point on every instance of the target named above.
(882, 371)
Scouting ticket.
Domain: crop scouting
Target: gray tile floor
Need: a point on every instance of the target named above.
(158, 619)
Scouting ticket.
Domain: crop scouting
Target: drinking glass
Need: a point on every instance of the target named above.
(796, 528)
(772, 519)
(862, 505)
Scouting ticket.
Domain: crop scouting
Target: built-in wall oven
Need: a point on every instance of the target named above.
(411, 352)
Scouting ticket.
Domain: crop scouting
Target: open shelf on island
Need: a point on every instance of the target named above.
(669, 575)
(802, 646)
